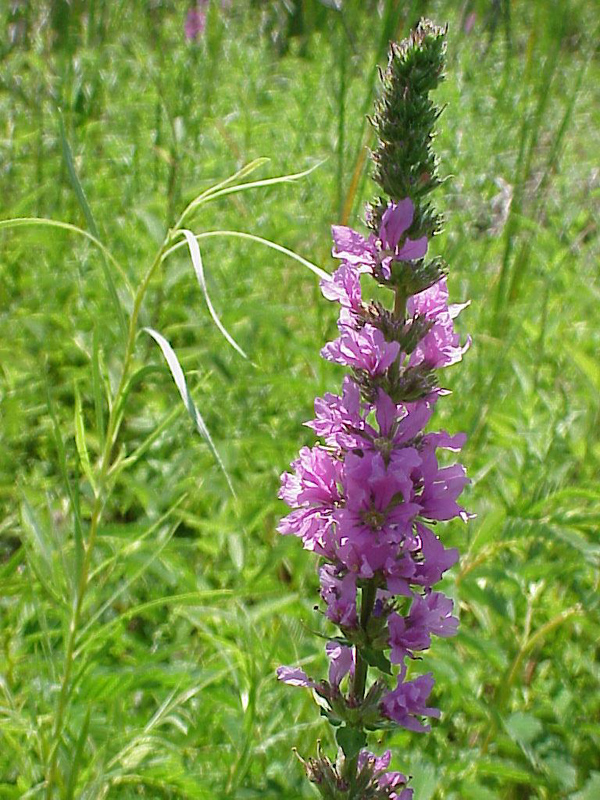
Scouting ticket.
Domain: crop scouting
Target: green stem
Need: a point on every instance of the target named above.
(359, 681)
(112, 432)
(399, 304)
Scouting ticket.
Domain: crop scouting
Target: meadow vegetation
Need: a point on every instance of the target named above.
(159, 679)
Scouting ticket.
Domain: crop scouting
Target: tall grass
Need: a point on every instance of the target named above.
(144, 605)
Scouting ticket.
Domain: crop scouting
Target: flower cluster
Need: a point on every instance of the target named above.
(373, 781)
(195, 21)
(367, 498)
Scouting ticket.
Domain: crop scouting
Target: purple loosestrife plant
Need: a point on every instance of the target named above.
(195, 21)
(366, 499)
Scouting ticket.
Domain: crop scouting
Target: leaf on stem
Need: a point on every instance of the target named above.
(351, 740)
(89, 218)
(199, 270)
(377, 658)
(84, 457)
(260, 240)
(181, 384)
(72, 489)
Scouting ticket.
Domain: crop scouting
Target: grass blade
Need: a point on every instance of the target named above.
(124, 585)
(75, 182)
(90, 221)
(71, 490)
(84, 457)
(241, 173)
(186, 598)
(26, 222)
(149, 440)
(38, 546)
(76, 760)
(199, 270)
(97, 385)
(243, 187)
(251, 237)
(181, 384)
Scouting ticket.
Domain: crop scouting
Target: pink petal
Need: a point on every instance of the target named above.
(412, 250)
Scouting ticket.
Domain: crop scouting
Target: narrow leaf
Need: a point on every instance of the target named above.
(84, 457)
(259, 239)
(75, 182)
(76, 758)
(149, 440)
(125, 584)
(97, 385)
(181, 384)
(242, 187)
(230, 186)
(37, 536)
(247, 169)
(89, 219)
(30, 523)
(44, 222)
(71, 491)
(199, 270)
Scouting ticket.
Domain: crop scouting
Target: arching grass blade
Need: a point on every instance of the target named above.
(180, 382)
(199, 270)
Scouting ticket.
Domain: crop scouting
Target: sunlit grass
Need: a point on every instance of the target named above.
(193, 600)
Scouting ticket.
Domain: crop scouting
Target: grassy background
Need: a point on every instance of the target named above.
(193, 599)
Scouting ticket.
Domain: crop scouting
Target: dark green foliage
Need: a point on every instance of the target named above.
(195, 600)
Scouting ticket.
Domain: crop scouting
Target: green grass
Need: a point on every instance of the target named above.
(193, 599)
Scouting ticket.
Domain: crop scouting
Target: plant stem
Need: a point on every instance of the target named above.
(366, 609)
(359, 681)
(112, 432)
(399, 304)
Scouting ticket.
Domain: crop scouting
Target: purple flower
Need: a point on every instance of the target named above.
(399, 571)
(405, 794)
(365, 500)
(396, 220)
(195, 21)
(429, 614)
(313, 491)
(342, 662)
(353, 248)
(376, 516)
(397, 427)
(395, 780)
(441, 486)
(339, 593)
(399, 423)
(339, 419)
(366, 349)
(344, 287)
(433, 611)
(367, 255)
(316, 479)
(440, 347)
(372, 486)
(436, 558)
(295, 677)
(384, 780)
(470, 22)
(407, 701)
(406, 638)
(376, 763)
